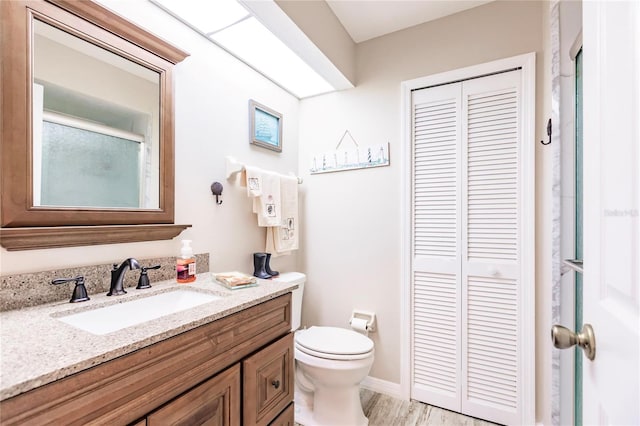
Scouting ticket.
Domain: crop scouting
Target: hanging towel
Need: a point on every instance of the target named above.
(268, 205)
(284, 238)
(264, 188)
(252, 178)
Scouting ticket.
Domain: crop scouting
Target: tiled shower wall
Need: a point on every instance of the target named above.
(24, 290)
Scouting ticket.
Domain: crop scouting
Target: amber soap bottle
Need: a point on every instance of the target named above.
(186, 264)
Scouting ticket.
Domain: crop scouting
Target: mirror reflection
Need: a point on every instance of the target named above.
(96, 125)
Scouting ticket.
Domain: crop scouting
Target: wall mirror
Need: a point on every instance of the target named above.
(96, 114)
(87, 127)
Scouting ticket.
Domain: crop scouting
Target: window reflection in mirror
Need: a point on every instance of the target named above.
(95, 126)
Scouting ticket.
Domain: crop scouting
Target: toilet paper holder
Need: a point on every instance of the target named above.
(369, 317)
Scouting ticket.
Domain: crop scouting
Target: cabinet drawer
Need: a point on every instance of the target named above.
(268, 382)
(285, 418)
(216, 402)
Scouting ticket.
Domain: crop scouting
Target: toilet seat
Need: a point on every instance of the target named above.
(333, 343)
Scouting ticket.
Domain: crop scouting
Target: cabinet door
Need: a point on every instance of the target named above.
(216, 402)
(285, 418)
(268, 382)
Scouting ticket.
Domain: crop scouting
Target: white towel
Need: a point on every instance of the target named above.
(268, 205)
(252, 179)
(284, 238)
(264, 188)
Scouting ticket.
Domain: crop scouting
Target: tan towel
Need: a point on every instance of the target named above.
(284, 238)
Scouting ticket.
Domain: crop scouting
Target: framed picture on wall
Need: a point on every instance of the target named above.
(265, 126)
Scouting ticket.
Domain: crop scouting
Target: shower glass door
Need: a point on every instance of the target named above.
(578, 243)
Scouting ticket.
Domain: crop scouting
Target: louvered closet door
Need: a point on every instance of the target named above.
(466, 312)
(490, 255)
(436, 247)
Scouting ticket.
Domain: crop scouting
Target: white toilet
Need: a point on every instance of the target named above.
(330, 364)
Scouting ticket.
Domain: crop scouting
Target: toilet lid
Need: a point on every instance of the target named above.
(333, 341)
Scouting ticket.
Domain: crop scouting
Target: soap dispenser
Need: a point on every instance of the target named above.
(186, 264)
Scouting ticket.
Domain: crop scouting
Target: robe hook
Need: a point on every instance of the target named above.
(548, 133)
(216, 189)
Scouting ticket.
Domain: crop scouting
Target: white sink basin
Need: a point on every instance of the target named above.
(121, 315)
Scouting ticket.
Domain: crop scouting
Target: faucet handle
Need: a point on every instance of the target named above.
(143, 282)
(79, 291)
(147, 268)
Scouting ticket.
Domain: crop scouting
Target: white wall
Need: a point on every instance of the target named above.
(352, 236)
(212, 91)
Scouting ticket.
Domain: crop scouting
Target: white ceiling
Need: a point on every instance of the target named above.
(367, 19)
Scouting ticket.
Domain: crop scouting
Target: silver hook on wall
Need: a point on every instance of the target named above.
(216, 189)
(548, 133)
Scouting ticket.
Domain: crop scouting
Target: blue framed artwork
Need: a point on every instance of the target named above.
(265, 126)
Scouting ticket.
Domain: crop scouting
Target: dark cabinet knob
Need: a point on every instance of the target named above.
(276, 383)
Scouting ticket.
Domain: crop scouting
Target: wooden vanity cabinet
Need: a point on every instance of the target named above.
(237, 370)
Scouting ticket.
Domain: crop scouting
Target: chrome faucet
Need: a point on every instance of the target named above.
(117, 276)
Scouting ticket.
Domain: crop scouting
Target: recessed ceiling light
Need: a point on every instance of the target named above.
(206, 16)
(255, 44)
(228, 24)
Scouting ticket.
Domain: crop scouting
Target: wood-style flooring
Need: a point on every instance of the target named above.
(383, 410)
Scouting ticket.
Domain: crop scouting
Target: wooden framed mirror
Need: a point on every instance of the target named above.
(87, 127)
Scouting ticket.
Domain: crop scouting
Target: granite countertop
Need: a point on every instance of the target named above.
(36, 348)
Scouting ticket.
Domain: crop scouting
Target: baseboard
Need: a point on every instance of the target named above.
(382, 386)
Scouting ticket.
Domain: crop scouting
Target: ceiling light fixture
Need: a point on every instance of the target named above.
(229, 25)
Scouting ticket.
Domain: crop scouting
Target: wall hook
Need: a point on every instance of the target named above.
(548, 133)
(216, 189)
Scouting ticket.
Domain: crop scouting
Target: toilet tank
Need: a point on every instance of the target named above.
(296, 301)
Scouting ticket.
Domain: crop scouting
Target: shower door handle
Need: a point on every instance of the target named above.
(563, 338)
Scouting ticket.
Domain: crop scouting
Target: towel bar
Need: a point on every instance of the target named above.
(234, 167)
